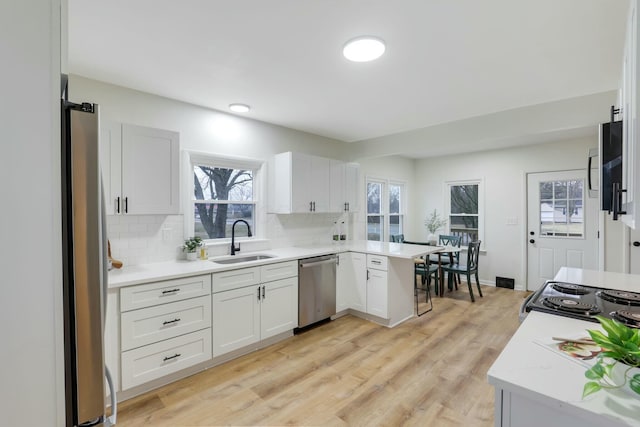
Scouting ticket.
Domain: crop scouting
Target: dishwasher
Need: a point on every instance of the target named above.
(316, 289)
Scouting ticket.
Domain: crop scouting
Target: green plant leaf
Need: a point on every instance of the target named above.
(596, 372)
(590, 388)
(634, 383)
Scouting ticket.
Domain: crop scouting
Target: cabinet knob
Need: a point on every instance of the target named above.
(532, 241)
(636, 244)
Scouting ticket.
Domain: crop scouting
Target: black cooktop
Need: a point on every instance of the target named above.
(586, 302)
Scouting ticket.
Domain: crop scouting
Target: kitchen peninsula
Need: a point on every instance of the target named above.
(535, 386)
(171, 319)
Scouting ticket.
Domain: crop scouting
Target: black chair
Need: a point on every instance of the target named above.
(397, 238)
(449, 240)
(470, 268)
(424, 269)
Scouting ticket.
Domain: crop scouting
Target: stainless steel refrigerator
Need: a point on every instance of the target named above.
(84, 267)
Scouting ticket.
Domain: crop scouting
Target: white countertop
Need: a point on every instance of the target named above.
(131, 275)
(527, 368)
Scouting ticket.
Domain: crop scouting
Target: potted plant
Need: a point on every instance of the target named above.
(433, 223)
(618, 365)
(190, 246)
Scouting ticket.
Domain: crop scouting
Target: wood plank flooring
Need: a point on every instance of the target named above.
(429, 371)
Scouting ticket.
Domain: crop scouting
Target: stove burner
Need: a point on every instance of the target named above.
(570, 288)
(570, 305)
(629, 318)
(620, 297)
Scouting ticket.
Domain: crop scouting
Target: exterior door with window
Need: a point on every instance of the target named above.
(562, 225)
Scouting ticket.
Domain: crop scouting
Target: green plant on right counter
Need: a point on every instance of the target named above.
(621, 345)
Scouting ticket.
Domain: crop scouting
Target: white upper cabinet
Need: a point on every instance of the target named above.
(300, 183)
(629, 107)
(140, 169)
(344, 186)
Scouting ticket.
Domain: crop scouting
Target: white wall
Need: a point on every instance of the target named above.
(31, 368)
(504, 173)
(153, 238)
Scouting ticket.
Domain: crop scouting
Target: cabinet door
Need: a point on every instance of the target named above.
(630, 97)
(337, 190)
(345, 281)
(111, 164)
(279, 307)
(320, 183)
(150, 175)
(377, 300)
(302, 191)
(359, 292)
(236, 319)
(351, 175)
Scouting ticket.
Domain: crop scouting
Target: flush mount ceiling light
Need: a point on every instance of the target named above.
(239, 108)
(363, 49)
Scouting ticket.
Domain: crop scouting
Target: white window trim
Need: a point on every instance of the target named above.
(384, 205)
(191, 158)
(481, 210)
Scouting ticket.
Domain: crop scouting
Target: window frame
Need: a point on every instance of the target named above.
(385, 208)
(192, 159)
(481, 207)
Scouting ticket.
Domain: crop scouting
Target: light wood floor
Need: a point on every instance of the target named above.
(429, 371)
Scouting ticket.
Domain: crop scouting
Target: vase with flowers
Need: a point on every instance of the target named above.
(434, 222)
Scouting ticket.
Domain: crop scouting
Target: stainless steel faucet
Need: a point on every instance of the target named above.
(233, 235)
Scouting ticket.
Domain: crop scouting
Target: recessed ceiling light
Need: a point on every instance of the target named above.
(239, 108)
(363, 49)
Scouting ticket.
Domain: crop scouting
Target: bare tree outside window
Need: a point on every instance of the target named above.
(221, 196)
(463, 216)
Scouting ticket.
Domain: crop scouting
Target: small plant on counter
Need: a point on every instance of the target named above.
(191, 244)
(621, 346)
(434, 222)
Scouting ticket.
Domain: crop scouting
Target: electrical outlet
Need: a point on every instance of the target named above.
(166, 234)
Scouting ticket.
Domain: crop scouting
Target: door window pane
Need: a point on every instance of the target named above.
(561, 215)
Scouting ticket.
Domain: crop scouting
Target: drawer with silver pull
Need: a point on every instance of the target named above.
(152, 324)
(377, 262)
(150, 362)
(150, 294)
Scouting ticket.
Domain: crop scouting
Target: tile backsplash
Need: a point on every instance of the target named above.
(141, 239)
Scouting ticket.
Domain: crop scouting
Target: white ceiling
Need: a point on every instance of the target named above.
(446, 60)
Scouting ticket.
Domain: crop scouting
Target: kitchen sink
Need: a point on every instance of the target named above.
(238, 259)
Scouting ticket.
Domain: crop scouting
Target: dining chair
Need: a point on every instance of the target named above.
(423, 269)
(470, 268)
(450, 240)
(397, 238)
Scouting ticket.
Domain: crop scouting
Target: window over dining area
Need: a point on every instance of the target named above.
(465, 210)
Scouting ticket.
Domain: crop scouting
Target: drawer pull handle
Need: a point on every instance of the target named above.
(170, 291)
(167, 322)
(171, 357)
(375, 261)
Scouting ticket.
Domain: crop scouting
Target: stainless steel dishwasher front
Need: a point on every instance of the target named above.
(316, 289)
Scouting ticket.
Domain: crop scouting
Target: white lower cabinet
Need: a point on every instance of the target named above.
(351, 281)
(164, 327)
(255, 311)
(362, 284)
(377, 295)
(153, 361)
